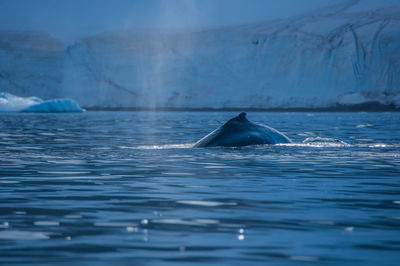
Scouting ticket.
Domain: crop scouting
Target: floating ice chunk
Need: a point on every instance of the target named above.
(57, 105)
(12, 103)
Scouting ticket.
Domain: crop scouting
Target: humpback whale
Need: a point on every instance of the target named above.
(239, 131)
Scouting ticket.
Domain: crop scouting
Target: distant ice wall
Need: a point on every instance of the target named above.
(30, 63)
(329, 56)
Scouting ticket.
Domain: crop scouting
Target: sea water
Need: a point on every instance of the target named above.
(126, 188)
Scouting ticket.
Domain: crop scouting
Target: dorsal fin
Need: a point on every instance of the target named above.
(240, 118)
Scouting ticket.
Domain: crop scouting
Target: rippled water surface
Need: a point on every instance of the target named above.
(126, 188)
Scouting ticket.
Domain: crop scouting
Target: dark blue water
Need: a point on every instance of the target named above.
(123, 188)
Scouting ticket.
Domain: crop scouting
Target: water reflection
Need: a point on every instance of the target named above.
(116, 188)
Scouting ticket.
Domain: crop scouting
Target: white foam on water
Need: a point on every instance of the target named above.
(162, 147)
(364, 125)
(317, 142)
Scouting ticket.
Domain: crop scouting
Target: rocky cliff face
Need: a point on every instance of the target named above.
(341, 54)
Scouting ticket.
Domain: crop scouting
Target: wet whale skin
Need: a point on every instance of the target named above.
(239, 131)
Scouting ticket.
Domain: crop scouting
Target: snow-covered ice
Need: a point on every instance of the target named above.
(345, 54)
(12, 103)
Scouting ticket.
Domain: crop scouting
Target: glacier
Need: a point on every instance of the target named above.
(344, 54)
(12, 103)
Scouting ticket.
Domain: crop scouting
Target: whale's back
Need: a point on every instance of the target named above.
(241, 132)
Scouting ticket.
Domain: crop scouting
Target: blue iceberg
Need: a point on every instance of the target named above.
(12, 103)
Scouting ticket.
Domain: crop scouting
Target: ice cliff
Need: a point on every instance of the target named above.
(347, 54)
